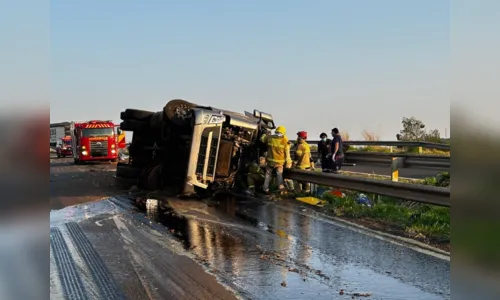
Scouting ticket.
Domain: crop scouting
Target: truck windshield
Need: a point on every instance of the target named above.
(67, 142)
(90, 132)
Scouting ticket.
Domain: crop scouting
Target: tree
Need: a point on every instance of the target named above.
(414, 130)
(433, 136)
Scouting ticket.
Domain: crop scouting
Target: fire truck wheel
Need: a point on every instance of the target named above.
(133, 125)
(178, 111)
(136, 114)
(127, 171)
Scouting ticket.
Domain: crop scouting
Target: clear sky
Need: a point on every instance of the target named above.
(313, 65)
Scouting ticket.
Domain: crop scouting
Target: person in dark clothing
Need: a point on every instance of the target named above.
(323, 151)
(336, 150)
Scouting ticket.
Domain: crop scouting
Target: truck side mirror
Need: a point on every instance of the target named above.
(119, 131)
(256, 113)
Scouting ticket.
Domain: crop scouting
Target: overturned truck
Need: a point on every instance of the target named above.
(191, 149)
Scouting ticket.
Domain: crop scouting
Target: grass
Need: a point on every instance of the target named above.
(420, 221)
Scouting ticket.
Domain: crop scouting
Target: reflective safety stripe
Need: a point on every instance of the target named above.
(276, 160)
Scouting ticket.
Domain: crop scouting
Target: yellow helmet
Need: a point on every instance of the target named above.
(281, 129)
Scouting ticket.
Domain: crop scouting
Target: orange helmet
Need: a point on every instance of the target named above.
(302, 134)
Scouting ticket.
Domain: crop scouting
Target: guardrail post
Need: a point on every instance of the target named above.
(395, 169)
(420, 150)
(391, 149)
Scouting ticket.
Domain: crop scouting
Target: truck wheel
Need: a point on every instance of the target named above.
(133, 125)
(156, 120)
(136, 114)
(179, 112)
(127, 171)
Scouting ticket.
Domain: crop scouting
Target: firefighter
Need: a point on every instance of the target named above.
(303, 161)
(256, 175)
(278, 156)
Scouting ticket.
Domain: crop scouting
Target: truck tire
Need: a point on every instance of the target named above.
(136, 114)
(156, 120)
(127, 171)
(133, 125)
(178, 112)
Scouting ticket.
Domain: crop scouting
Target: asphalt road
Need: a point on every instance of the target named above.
(121, 248)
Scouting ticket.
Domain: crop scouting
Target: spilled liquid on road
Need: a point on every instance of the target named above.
(266, 252)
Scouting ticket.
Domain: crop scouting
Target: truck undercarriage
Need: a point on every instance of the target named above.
(188, 148)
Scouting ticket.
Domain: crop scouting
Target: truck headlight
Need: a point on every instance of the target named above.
(113, 151)
(84, 152)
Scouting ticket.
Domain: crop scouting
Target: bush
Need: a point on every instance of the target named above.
(370, 136)
(442, 180)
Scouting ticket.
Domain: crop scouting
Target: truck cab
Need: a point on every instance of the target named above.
(94, 141)
(221, 142)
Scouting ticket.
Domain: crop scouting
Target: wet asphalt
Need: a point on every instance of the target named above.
(228, 247)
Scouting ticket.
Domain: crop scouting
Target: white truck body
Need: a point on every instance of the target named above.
(56, 133)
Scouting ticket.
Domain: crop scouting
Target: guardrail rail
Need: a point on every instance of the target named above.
(393, 144)
(413, 192)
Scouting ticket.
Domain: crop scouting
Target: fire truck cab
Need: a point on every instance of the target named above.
(94, 140)
(64, 147)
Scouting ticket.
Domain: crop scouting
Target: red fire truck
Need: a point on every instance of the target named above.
(63, 147)
(94, 141)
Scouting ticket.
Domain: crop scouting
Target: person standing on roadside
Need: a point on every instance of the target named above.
(336, 150)
(323, 150)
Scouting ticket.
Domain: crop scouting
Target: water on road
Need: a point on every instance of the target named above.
(256, 249)
(268, 251)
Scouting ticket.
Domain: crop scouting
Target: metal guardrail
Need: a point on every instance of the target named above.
(413, 192)
(405, 160)
(393, 143)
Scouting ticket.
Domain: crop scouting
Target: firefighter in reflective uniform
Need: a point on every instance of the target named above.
(256, 175)
(302, 161)
(278, 157)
